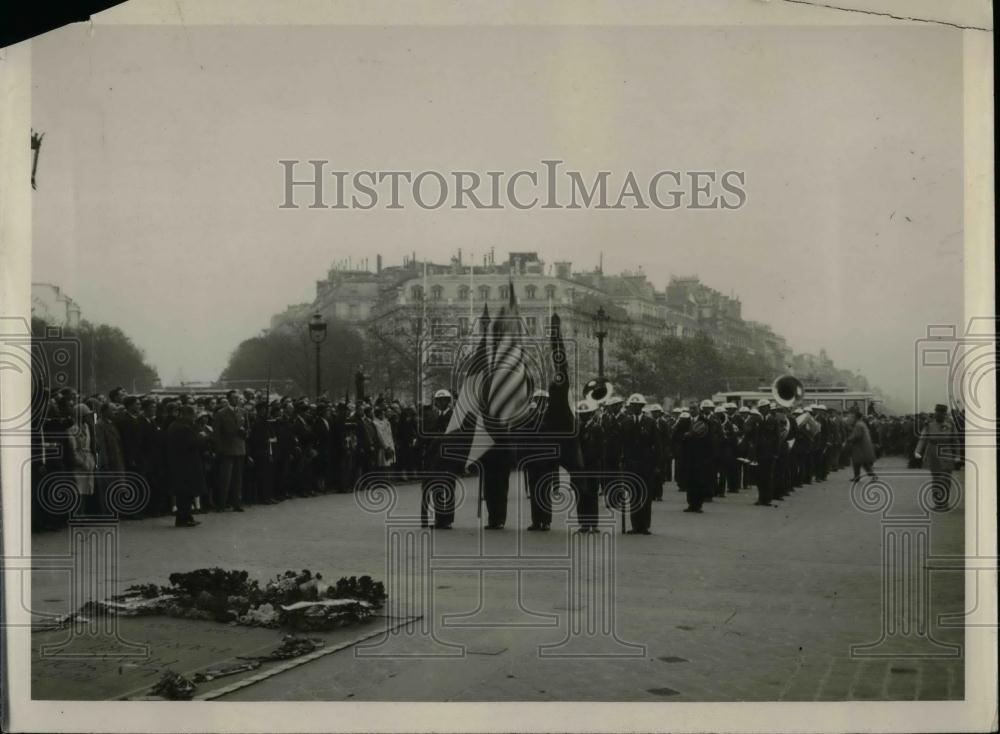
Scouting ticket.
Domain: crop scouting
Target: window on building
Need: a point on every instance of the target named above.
(484, 293)
(463, 325)
(530, 292)
(550, 292)
(463, 293)
(437, 293)
(504, 292)
(532, 323)
(417, 293)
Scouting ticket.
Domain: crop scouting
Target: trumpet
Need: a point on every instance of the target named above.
(787, 391)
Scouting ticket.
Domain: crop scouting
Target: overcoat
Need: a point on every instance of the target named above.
(860, 440)
(936, 439)
(184, 459)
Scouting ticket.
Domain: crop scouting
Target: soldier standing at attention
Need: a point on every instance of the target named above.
(638, 447)
(441, 501)
(591, 433)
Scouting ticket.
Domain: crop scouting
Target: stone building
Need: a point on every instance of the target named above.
(50, 304)
(405, 302)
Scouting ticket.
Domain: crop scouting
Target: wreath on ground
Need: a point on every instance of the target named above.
(301, 601)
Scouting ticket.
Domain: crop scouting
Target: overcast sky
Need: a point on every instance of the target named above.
(159, 184)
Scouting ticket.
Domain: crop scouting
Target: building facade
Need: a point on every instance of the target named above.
(50, 304)
(409, 301)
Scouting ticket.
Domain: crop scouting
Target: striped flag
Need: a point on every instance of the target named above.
(467, 418)
(510, 388)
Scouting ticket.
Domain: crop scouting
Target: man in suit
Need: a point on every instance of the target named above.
(638, 446)
(230, 440)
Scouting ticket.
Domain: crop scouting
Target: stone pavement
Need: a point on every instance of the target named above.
(739, 603)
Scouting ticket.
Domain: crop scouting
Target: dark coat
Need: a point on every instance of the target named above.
(186, 472)
(639, 440)
(230, 432)
(698, 454)
(130, 431)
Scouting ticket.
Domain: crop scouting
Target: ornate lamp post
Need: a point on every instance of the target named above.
(317, 333)
(601, 332)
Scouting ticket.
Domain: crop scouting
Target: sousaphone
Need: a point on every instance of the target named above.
(788, 391)
(599, 390)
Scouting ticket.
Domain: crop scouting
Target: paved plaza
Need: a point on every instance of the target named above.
(739, 603)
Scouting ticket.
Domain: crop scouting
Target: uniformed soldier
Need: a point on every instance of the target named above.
(769, 436)
(591, 433)
(438, 493)
(698, 456)
(799, 452)
(609, 416)
(821, 446)
(782, 467)
(655, 411)
(675, 444)
(728, 466)
(679, 449)
(638, 451)
(539, 472)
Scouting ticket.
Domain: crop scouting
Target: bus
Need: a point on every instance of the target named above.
(832, 396)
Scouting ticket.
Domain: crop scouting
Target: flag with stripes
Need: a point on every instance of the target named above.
(467, 422)
(509, 387)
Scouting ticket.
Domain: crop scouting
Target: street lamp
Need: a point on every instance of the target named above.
(317, 332)
(601, 332)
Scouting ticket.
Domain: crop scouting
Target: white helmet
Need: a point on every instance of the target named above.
(442, 393)
(685, 414)
(539, 393)
(808, 409)
(763, 403)
(613, 400)
(754, 411)
(797, 411)
(727, 406)
(636, 399)
(655, 408)
(744, 409)
(719, 409)
(586, 406)
(819, 406)
(706, 403)
(677, 411)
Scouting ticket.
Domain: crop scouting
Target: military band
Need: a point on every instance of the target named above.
(708, 450)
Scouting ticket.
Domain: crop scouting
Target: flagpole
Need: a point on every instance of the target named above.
(420, 336)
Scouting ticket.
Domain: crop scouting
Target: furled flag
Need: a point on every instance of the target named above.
(472, 439)
(510, 387)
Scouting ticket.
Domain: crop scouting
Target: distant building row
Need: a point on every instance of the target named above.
(394, 299)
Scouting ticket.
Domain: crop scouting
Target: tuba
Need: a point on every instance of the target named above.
(787, 391)
(599, 389)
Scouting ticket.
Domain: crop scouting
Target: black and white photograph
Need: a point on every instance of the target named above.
(617, 361)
